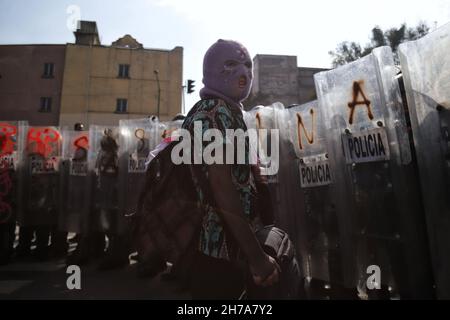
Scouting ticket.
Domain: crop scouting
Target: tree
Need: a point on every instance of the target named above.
(350, 51)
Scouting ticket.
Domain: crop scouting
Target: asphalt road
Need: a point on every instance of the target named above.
(47, 280)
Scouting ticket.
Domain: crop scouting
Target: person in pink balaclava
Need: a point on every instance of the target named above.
(227, 246)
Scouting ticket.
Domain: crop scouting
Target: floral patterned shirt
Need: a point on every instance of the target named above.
(215, 240)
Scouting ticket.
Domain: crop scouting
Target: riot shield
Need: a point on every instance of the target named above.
(75, 200)
(317, 219)
(103, 166)
(137, 138)
(274, 150)
(263, 119)
(426, 71)
(376, 189)
(11, 148)
(40, 177)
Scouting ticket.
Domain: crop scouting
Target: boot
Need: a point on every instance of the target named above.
(80, 256)
(97, 244)
(116, 256)
(7, 235)
(59, 244)
(23, 250)
(42, 252)
(149, 268)
(89, 247)
(75, 239)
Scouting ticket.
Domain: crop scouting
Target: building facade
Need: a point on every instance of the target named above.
(88, 82)
(31, 83)
(277, 78)
(103, 84)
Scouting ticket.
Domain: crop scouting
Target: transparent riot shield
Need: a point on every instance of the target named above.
(137, 139)
(11, 147)
(426, 71)
(376, 189)
(103, 165)
(317, 219)
(40, 177)
(263, 119)
(75, 200)
(277, 161)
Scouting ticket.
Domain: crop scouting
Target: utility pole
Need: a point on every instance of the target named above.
(156, 72)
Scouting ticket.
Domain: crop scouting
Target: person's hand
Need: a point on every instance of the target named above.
(270, 279)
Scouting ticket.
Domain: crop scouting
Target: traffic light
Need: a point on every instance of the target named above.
(78, 126)
(190, 86)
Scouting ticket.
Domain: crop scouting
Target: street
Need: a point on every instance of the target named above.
(47, 280)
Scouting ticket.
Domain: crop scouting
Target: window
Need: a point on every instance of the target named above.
(124, 70)
(48, 70)
(46, 104)
(121, 106)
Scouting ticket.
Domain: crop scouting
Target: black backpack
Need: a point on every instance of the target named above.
(168, 216)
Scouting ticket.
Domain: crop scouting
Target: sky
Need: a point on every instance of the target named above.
(306, 29)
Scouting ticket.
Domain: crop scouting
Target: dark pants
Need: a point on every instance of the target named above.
(7, 236)
(216, 279)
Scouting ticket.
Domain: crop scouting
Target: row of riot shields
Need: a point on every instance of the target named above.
(79, 181)
(376, 191)
(348, 188)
